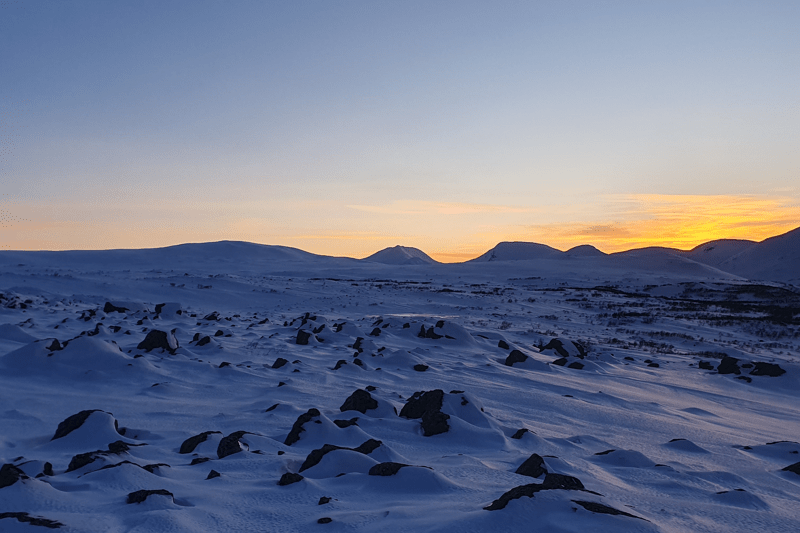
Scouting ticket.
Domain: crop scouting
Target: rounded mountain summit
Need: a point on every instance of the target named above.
(401, 255)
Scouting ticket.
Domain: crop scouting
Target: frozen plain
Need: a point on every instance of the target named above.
(633, 387)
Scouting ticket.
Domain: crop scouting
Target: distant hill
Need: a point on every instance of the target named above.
(716, 252)
(518, 251)
(401, 255)
(775, 259)
(584, 250)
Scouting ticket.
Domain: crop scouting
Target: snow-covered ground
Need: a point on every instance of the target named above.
(275, 390)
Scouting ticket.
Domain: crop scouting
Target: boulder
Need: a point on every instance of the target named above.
(360, 401)
(297, 428)
(515, 357)
(533, 466)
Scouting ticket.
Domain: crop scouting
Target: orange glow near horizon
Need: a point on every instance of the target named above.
(461, 231)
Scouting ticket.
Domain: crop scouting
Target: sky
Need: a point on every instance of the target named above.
(343, 127)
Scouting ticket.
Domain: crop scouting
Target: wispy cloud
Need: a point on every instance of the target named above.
(420, 207)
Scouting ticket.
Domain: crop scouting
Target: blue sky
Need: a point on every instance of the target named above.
(344, 127)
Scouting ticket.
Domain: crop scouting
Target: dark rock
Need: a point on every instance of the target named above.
(279, 362)
(367, 447)
(357, 344)
(205, 340)
(297, 428)
(519, 433)
(191, 443)
(440, 324)
(158, 339)
(606, 452)
(212, 317)
(385, 469)
(219, 333)
(435, 423)
(55, 346)
(302, 337)
(358, 362)
(558, 346)
(767, 369)
(229, 445)
(375, 332)
(430, 334)
(323, 500)
(603, 509)
(371, 388)
(48, 469)
(653, 365)
(83, 459)
(360, 401)
(272, 408)
(339, 364)
(533, 466)
(141, 495)
(111, 308)
(705, 365)
(578, 366)
(71, 423)
(795, 468)
(421, 333)
(560, 362)
(422, 402)
(318, 329)
(118, 447)
(32, 520)
(224, 364)
(288, 478)
(729, 365)
(561, 481)
(325, 520)
(745, 378)
(629, 358)
(503, 344)
(199, 460)
(10, 474)
(281, 384)
(155, 466)
(420, 367)
(213, 474)
(513, 494)
(316, 456)
(341, 424)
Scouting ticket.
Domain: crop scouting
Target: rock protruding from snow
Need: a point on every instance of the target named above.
(386, 469)
(428, 407)
(140, 496)
(533, 466)
(71, 423)
(159, 339)
(230, 445)
(515, 357)
(767, 369)
(360, 401)
(297, 428)
(10, 474)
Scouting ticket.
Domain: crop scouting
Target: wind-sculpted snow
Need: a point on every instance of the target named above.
(151, 395)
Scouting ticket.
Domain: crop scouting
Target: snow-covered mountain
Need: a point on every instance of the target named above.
(518, 251)
(774, 259)
(401, 255)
